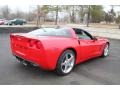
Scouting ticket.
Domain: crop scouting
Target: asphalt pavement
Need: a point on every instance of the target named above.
(100, 71)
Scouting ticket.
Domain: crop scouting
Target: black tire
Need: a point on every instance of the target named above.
(59, 70)
(21, 23)
(106, 46)
(11, 24)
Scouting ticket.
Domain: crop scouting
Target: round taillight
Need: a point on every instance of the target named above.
(31, 43)
(12, 36)
(38, 44)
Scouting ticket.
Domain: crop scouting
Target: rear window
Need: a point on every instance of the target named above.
(51, 32)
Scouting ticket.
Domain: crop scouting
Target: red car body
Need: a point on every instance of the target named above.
(45, 50)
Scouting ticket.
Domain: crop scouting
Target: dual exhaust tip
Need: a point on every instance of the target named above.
(26, 63)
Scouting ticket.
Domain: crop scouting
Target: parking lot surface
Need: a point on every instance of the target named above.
(96, 71)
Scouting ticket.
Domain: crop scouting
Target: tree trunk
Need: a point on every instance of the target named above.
(38, 16)
(73, 15)
(56, 19)
(88, 16)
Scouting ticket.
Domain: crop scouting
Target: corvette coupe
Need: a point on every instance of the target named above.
(57, 49)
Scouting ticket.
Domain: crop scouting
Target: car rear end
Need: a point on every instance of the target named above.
(39, 46)
(28, 48)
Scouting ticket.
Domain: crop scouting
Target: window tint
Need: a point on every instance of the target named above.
(51, 32)
(82, 34)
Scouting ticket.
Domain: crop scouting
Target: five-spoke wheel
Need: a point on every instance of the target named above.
(66, 62)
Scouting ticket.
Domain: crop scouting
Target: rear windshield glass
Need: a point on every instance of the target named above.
(51, 32)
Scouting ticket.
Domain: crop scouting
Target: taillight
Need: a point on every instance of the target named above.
(38, 44)
(12, 36)
(35, 43)
(31, 43)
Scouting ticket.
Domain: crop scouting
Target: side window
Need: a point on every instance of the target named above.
(84, 35)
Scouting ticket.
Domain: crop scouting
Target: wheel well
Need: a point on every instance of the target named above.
(72, 50)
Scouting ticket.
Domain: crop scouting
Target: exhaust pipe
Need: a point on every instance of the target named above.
(24, 63)
(35, 65)
(21, 61)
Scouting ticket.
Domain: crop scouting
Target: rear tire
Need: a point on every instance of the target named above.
(65, 63)
(105, 50)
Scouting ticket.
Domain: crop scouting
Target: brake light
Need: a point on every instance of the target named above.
(31, 43)
(38, 44)
(12, 36)
(35, 43)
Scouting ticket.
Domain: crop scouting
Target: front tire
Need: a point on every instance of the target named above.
(65, 63)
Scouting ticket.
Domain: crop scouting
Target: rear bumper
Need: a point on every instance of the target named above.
(41, 62)
(18, 57)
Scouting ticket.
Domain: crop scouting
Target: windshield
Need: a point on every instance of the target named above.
(51, 32)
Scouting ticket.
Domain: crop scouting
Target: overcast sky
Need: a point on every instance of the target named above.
(24, 5)
(27, 7)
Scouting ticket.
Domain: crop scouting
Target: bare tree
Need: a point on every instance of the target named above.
(88, 16)
(56, 18)
(19, 13)
(38, 15)
(5, 10)
(55, 9)
(45, 10)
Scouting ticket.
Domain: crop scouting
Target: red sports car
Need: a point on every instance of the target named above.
(58, 49)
